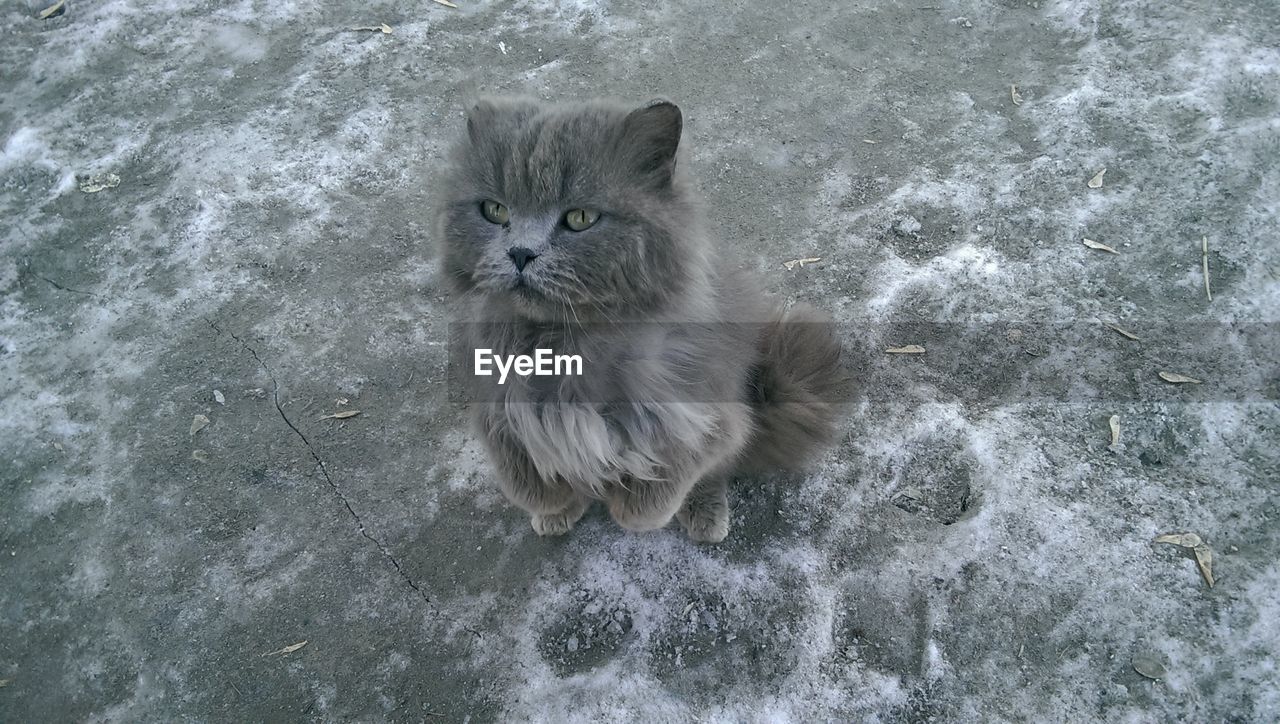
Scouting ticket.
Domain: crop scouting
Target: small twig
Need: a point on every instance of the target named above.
(1126, 333)
(1204, 264)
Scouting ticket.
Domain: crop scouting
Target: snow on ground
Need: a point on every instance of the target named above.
(974, 550)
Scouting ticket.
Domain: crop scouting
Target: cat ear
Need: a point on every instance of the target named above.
(651, 135)
(479, 117)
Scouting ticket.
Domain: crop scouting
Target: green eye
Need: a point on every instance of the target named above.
(580, 219)
(495, 212)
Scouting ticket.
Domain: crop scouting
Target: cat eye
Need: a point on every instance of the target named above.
(581, 219)
(495, 212)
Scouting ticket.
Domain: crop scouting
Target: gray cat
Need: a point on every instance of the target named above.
(573, 228)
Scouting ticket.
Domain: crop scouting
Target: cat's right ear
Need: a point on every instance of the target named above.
(480, 117)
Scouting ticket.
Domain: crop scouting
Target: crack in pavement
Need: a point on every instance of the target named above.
(73, 290)
(324, 471)
(26, 267)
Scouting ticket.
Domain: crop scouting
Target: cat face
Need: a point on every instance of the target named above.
(569, 213)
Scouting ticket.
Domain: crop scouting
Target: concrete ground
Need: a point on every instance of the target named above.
(974, 550)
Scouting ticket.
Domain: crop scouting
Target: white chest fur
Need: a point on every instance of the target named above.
(590, 446)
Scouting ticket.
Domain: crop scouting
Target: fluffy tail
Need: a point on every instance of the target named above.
(796, 389)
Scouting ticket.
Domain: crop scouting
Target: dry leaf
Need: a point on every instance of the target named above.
(1186, 540)
(1204, 556)
(341, 415)
(446, 3)
(58, 446)
(51, 10)
(341, 401)
(200, 456)
(381, 27)
(1130, 335)
(1015, 95)
(287, 649)
(868, 140)
(1098, 245)
(1114, 422)
(801, 262)
(1204, 559)
(1149, 665)
(1177, 378)
(1096, 181)
(909, 349)
(5, 682)
(99, 182)
(219, 398)
(198, 423)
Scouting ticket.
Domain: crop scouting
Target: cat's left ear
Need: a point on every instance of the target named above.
(652, 135)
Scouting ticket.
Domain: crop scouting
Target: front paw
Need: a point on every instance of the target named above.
(633, 521)
(554, 524)
(705, 525)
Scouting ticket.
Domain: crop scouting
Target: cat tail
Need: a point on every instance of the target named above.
(797, 390)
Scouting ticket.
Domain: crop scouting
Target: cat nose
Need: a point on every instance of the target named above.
(521, 257)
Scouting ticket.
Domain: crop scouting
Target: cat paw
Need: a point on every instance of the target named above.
(554, 524)
(633, 522)
(559, 523)
(705, 526)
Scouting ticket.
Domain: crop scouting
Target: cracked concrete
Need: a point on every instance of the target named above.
(975, 549)
(275, 396)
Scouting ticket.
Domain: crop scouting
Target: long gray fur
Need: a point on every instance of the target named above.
(690, 374)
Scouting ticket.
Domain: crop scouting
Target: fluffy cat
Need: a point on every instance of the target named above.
(573, 228)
